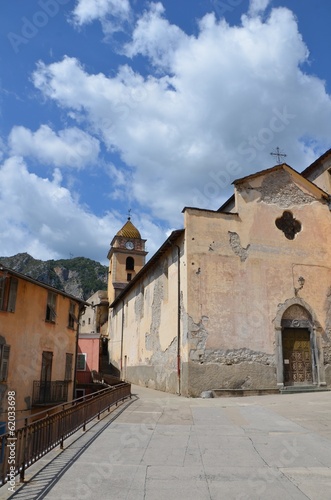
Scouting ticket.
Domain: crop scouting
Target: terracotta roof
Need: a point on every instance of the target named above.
(4, 269)
(129, 231)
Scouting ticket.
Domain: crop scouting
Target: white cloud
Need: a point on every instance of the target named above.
(258, 6)
(111, 13)
(70, 147)
(41, 217)
(2, 148)
(232, 94)
(155, 37)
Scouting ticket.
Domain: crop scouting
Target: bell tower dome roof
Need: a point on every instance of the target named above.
(129, 230)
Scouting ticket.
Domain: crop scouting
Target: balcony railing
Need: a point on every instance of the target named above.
(49, 392)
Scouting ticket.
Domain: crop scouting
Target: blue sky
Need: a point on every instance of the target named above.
(111, 105)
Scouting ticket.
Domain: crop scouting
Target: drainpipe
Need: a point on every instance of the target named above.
(178, 320)
(122, 336)
(178, 323)
(81, 309)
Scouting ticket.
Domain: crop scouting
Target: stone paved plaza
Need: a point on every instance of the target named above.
(164, 447)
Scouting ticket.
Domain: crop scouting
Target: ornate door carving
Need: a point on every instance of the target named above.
(297, 356)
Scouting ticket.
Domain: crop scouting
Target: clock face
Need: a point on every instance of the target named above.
(129, 245)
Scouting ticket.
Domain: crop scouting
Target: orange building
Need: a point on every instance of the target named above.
(38, 343)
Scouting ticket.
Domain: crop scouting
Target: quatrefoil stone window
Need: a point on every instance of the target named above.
(288, 224)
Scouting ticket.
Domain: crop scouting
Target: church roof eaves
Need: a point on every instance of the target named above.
(226, 203)
(307, 171)
(261, 172)
(286, 167)
(204, 210)
(168, 243)
(207, 210)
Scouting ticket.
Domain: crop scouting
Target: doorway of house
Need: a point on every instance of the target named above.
(46, 376)
(297, 356)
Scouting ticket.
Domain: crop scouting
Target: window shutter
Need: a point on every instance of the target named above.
(51, 307)
(4, 361)
(68, 367)
(81, 362)
(12, 295)
(3, 283)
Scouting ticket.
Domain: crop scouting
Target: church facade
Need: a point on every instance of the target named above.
(238, 299)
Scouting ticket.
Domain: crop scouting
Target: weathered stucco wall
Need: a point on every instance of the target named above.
(143, 343)
(90, 347)
(242, 268)
(28, 335)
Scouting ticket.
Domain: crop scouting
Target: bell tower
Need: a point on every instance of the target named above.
(126, 258)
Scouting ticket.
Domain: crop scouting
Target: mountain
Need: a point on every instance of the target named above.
(78, 276)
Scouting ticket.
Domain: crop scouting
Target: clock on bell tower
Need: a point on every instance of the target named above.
(126, 258)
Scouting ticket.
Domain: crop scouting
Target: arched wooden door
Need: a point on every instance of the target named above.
(297, 356)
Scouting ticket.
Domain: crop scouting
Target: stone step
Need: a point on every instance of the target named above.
(295, 389)
(221, 393)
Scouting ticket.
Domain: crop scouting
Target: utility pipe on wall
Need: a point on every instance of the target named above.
(178, 323)
(122, 338)
(81, 311)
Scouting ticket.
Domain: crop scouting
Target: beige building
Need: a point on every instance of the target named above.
(238, 299)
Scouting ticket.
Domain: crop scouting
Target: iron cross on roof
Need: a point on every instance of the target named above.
(279, 155)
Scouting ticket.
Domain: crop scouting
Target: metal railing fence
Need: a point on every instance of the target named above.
(35, 438)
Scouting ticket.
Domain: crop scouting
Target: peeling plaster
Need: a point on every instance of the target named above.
(164, 360)
(184, 320)
(236, 246)
(198, 335)
(235, 356)
(278, 188)
(139, 306)
(156, 307)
